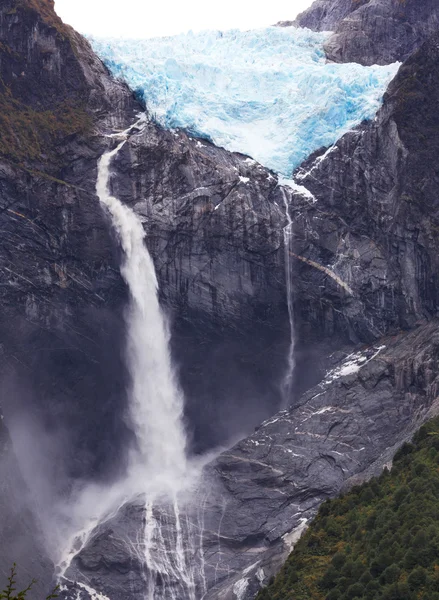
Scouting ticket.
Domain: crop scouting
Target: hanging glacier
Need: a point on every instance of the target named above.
(268, 93)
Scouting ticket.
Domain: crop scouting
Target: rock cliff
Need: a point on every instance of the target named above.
(325, 15)
(375, 217)
(214, 228)
(364, 253)
(257, 497)
(372, 31)
(365, 261)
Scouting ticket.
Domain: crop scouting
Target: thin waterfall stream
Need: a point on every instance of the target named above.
(287, 382)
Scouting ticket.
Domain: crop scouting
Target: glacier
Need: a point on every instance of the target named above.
(268, 93)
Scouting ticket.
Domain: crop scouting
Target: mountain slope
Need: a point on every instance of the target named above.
(63, 380)
(379, 540)
(325, 15)
(363, 270)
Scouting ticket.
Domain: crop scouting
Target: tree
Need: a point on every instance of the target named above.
(417, 577)
(391, 574)
(9, 592)
(355, 591)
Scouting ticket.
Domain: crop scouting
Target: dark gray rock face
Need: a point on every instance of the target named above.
(63, 377)
(214, 227)
(375, 218)
(347, 428)
(221, 270)
(61, 294)
(372, 31)
(325, 15)
(365, 259)
(257, 497)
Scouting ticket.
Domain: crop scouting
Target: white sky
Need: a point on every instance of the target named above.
(150, 18)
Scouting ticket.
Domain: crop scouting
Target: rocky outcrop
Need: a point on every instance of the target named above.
(375, 217)
(372, 31)
(343, 431)
(213, 226)
(325, 15)
(257, 497)
(61, 293)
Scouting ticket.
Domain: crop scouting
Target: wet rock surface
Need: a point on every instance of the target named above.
(345, 429)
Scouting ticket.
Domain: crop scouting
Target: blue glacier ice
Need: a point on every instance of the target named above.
(268, 93)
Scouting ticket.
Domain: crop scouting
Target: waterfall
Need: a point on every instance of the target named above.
(160, 472)
(156, 403)
(291, 362)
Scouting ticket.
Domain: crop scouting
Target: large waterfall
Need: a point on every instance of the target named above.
(159, 468)
(167, 545)
(156, 402)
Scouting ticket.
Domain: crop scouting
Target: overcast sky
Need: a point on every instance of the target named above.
(149, 18)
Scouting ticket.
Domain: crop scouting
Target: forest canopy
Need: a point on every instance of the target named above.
(379, 541)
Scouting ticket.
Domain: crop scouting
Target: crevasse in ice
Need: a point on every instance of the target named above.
(268, 93)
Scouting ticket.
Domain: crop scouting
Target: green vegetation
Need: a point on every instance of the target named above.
(29, 134)
(46, 9)
(10, 591)
(380, 541)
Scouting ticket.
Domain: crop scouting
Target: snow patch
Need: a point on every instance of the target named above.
(290, 539)
(304, 174)
(299, 189)
(323, 410)
(240, 588)
(247, 570)
(353, 363)
(260, 575)
(94, 595)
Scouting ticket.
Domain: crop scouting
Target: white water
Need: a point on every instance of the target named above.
(156, 402)
(160, 475)
(291, 362)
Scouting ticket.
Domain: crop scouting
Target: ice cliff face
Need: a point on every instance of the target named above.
(267, 93)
